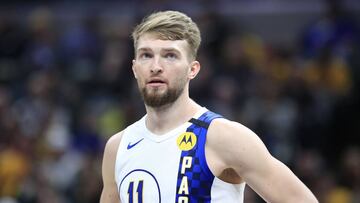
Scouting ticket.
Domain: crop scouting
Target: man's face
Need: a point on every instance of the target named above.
(162, 69)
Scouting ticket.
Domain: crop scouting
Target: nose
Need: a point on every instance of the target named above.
(156, 68)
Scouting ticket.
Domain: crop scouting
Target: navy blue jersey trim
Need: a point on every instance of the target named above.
(199, 123)
(142, 170)
(199, 177)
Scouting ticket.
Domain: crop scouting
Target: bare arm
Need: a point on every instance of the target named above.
(235, 146)
(109, 193)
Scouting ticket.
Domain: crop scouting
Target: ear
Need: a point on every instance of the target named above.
(133, 68)
(194, 69)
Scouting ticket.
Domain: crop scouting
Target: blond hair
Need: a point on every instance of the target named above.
(170, 25)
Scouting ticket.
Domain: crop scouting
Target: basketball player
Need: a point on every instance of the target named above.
(180, 151)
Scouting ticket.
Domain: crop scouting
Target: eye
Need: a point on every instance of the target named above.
(171, 56)
(145, 55)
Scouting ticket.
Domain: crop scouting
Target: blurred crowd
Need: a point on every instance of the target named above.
(64, 90)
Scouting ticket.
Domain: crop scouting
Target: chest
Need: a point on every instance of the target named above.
(148, 170)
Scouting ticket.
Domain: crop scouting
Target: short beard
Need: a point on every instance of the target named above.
(158, 100)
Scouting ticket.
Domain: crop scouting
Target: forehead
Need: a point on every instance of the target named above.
(153, 42)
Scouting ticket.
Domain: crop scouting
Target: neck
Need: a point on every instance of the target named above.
(162, 119)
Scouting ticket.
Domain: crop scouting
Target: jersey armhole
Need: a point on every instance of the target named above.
(202, 157)
(203, 123)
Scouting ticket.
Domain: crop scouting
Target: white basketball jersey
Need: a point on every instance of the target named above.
(171, 167)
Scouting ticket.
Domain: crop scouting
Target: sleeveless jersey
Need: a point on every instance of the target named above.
(172, 167)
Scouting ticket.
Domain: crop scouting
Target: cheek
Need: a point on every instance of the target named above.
(180, 77)
(139, 74)
(140, 80)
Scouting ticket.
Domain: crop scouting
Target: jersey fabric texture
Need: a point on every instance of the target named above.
(171, 167)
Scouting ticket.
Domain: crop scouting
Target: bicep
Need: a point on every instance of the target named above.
(248, 156)
(109, 193)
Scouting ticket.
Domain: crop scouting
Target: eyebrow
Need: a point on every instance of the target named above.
(163, 49)
(171, 50)
(144, 49)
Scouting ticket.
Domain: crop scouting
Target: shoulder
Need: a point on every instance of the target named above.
(110, 151)
(233, 142)
(109, 158)
(113, 143)
(226, 130)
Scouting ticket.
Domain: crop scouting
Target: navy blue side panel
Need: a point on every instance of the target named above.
(197, 179)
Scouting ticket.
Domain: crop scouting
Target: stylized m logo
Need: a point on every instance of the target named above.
(186, 141)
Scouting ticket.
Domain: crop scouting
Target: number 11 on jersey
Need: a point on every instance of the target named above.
(138, 195)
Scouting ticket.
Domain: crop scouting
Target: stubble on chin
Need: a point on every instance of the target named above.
(157, 98)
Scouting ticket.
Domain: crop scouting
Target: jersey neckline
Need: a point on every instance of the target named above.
(159, 138)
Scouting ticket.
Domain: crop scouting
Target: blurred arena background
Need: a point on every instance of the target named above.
(289, 70)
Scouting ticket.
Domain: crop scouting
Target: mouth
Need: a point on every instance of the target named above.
(156, 82)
